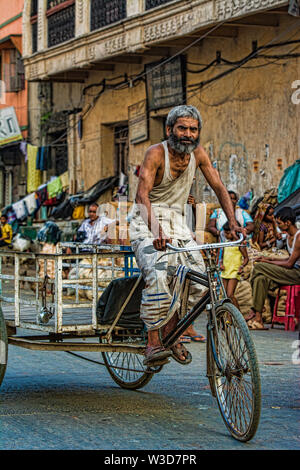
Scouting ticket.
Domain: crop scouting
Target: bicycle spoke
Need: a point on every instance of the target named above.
(126, 368)
(237, 394)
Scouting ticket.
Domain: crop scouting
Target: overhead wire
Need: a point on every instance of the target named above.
(209, 82)
(167, 60)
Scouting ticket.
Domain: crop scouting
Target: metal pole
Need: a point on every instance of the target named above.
(17, 290)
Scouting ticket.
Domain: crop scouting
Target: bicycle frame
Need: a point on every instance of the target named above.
(209, 301)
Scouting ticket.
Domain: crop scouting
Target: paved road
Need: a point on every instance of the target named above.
(52, 400)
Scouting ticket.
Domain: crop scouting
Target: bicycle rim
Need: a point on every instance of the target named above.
(237, 385)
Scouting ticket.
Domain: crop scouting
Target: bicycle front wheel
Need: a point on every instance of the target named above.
(233, 372)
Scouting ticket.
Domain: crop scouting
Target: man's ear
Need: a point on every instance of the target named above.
(168, 130)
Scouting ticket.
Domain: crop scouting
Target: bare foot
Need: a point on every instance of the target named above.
(251, 314)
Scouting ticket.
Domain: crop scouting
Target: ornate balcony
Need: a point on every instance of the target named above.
(54, 3)
(61, 24)
(105, 29)
(106, 12)
(155, 3)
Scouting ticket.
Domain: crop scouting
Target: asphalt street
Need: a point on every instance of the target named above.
(55, 401)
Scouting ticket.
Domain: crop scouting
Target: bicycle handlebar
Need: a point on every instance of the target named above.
(207, 246)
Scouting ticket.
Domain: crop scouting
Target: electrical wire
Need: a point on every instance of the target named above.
(206, 83)
(193, 87)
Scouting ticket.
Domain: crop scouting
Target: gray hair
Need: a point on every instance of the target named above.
(181, 112)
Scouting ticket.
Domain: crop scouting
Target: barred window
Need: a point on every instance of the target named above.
(106, 12)
(155, 3)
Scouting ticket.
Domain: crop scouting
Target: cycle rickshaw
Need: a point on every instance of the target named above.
(112, 326)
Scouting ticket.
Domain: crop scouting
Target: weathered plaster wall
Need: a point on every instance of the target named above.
(250, 121)
(250, 112)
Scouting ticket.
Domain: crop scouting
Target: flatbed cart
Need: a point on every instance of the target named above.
(65, 314)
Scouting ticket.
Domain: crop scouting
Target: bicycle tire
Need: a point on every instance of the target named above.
(3, 346)
(237, 386)
(118, 365)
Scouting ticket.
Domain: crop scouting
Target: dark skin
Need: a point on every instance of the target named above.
(3, 222)
(290, 229)
(152, 172)
(151, 175)
(92, 216)
(211, 226)
(269, 217)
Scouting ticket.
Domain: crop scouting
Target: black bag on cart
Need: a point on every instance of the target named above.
(112, 299)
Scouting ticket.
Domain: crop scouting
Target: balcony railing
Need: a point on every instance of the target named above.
(54, 3)
(155, 3)
(106, 12)
(61, 25)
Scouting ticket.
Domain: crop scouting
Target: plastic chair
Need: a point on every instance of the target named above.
(292, 308)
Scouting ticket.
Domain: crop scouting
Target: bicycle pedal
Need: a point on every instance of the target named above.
(158, 363)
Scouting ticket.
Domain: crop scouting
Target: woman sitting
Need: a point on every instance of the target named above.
(265, 228)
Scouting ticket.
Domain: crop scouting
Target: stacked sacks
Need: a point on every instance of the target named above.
(104, 276)
(203, 213)
(243, 291)
(243, 294)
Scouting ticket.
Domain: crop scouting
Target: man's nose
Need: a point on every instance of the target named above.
(187, 133)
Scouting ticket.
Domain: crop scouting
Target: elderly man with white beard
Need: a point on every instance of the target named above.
(165, 180)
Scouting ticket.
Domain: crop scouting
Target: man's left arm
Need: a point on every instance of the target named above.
(212, 176)
(287, 262)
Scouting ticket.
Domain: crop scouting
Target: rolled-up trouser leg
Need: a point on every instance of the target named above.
(266, 275)
(158, 275)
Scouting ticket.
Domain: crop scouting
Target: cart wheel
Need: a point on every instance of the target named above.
(236, 382)
(127, 369)
(3, 346)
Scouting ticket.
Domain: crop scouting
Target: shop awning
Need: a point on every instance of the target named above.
(13, 40)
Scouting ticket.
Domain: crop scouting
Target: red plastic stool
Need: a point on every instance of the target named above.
(292, 308)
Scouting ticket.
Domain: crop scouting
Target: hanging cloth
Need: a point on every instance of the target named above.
(34, 176)
(23, 149)
(20, 210)
(64, 178)
(54, 188)
(43, 158)
(30, 202)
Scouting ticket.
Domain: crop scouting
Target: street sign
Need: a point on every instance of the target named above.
(9, 127)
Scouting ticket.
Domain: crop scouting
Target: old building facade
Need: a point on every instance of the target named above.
(104, 74)
(13, 103)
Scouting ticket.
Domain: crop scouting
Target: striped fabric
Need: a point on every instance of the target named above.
(165, 280)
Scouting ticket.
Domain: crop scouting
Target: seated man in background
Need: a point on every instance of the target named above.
(272, 272)
(92, 230)
(6, 232)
